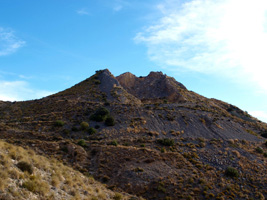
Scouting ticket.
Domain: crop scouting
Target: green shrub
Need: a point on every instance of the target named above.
(265, 154)
(102, 111)
(59, 123)
(25, 167)
(110, 121)
(97, 82)
(91, 131)
(264, 134)
(66, 132)
(100, 115)
(117, 196)
(166, 142)
(98, 118)
(259, 150)
(138, 169)
(114, 143)
(231, 172)
(82, 143)
(266, 143)
(162, 150)
(84, 125)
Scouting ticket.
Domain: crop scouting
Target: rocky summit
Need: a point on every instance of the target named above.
(129, 137)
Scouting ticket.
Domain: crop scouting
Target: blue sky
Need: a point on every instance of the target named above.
(214, 47)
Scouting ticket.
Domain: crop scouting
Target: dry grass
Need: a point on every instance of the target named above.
(47, 175)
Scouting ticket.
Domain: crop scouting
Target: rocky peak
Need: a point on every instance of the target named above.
(108, 81)
(111, 87)
(156, 86)
(156, 75)
(127, 80)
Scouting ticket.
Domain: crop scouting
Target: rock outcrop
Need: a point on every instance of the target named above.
(154, 87)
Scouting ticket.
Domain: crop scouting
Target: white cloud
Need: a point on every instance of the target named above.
(261, 115)
(9, 43)
(19, 90)
(117, 8)
(120, 4)
(222, 37)
(83, 11)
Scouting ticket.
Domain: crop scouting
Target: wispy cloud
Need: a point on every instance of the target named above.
(117, 8)
(261, 115)
(83, 11)
(120, 4)
(9, 43)
(19, 90)
(222, 37)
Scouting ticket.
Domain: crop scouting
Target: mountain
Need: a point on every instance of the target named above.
(146, 136)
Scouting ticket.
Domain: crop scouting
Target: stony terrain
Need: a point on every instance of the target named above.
(146, 136)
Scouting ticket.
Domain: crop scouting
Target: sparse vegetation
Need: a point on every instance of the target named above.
(91, 131)
(176, 150)
(84, 125)
(114, 143)
(231, 172)
(117, 196)
(59, 123)
(166, 142)
(110, 121)
(259, 150)
(97, 82)
(100, 115)
(25, 167)
(82, 143)
(138, 169)
(20, 181)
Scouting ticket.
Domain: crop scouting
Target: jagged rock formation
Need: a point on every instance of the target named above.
(153, 87)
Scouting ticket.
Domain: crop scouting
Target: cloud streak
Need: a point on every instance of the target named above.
(82, 11)
(120, 4)
(222, 37)
(9, 43)
(19, 90)
(261, 115)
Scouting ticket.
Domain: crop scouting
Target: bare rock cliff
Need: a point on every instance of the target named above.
(156, 86)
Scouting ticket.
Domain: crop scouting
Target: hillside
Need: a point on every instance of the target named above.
(25, 175)
(147, 136)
